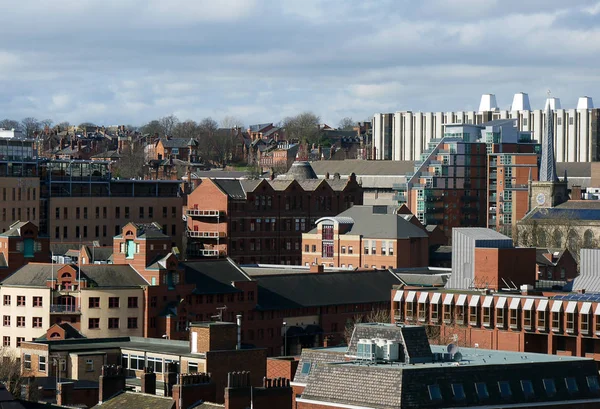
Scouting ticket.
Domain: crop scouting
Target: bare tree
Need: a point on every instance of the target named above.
(153, 128)
(10, 124)
(346, 124)
(62, 126)
(231, 122)
(84, 125)
(46, 123)
(168, 124)
(10, 371)
(30, 126)
(132, 163)
(303, 127)
(187, 129)
(379, 315)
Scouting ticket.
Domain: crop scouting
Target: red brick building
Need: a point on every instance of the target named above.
(22, 244)
(367, 237)
(261, 221)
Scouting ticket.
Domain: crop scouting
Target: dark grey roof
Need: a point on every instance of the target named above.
(220, 174)
(138, 401)
(308, 290)
(213, 276)
(259, 127)
(423, 280)
(230, 187)
(574, 169)
(178, 142)
(150, 231)
(7, 401)
(362, 167)
(377, 222)
(98, 275)
(70, 332)
(101, 253)
(580, 204)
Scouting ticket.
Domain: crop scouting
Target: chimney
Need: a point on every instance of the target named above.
(64, 393)
(317, 268)
(192, 388)
(170, 378)
(239, 331)
(148, 379)
(112, 381)
(576, 193)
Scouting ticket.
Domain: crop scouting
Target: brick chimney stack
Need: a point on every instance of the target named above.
(112, 381)
(170, 378)
(148, 379)
(276, 393)
(192, 388)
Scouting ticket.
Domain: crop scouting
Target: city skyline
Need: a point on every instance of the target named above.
(263, 61)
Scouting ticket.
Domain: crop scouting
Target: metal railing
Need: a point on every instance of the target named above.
(206, 234)
(203, 213)
(61, 309)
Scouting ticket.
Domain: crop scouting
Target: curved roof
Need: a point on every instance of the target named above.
(337, 219)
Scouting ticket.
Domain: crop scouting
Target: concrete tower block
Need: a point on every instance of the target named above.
(488, 103)
(521, 102)
(585, 103)
(554, 103)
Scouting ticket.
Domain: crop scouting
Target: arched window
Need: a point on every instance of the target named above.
(588, 239)
(65, 275)
(558, 238)
(573, 242)
(541, 238)
(55, 335)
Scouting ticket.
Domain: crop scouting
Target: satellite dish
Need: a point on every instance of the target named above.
(457, 357)
(452, 349)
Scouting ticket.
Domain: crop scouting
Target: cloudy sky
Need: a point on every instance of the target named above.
(130, 61)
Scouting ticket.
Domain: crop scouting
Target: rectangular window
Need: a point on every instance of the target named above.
(192, 367)
(460, 314)
(350, 250)
(327, 250)
(57, 213)
(20, 301)
(27, 361)
(113, 323)
(527, 319)
(556, 318)
(94, 302)
(7, 300)
(117, 212)
(132, 322)
(549, 387)
(127, 212)
(113, 302)
(435, 393)
(141, 212)
(6, 320)
(527, 388)
(487, 316)
(541, 320)
(77, 212)
(585, 323)
(42, 363)
(571, 384)
(383, 248)
(132, 302)
(155, 364)
(458, 391)
(366, 247)
(20, 321)
(20, 340)
(36, 322)
(500, 317)
(85, 213)
(5, 341)
(482, 391)
(89, 365)
(373, 247)
(570, 322)
(94, 323)
(504, 389)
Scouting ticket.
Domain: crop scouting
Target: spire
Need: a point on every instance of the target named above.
(548, 165)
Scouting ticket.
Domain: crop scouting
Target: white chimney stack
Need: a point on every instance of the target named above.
(488, 103)
(585, 103)
(521, 102)
(554, 103)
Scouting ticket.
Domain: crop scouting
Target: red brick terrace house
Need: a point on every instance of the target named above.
(556, 265)
(261, 221)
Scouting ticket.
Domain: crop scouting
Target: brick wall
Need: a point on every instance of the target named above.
(281, 367)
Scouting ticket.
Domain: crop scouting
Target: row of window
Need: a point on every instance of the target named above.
(36, 301)
(208, 299)
(385, 248)
(516, 317)
(296, 202)
(265, 244)
(36, 322)
(113, 302)
(82, 231)
(17, 213)
(6, 341)
(113, 323)
(156, 364)
(505, 391)
(82, 212)
(270, 224)
(17, 193)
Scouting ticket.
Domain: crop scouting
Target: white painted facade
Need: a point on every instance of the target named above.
(404, 135)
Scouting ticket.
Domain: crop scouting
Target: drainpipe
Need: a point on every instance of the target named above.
(239, 331)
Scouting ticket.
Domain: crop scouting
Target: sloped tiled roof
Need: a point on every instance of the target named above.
(231, 188)
(14, 229)
(100, 275)
(317, 356)
(214, 276)
(178, 142)
(308, 290)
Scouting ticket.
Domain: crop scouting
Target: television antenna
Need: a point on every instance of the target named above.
(219, 314)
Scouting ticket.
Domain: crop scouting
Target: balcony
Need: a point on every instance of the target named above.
(64, 309)
(493, 176)
(205, 253)
(206, 234)
(493, 187)
(469, 198)
(203, 213)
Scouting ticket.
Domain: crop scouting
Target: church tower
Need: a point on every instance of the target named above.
(548, 191)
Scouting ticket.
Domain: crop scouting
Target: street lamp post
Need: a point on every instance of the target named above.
(284, 338)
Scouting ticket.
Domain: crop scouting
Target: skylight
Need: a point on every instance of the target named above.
(482, 390)
(505, 390)
(305, 368)
(435, 394)
(550, 387)
(527, 387)
(458, 391)
(571, 385)
(593, 384)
